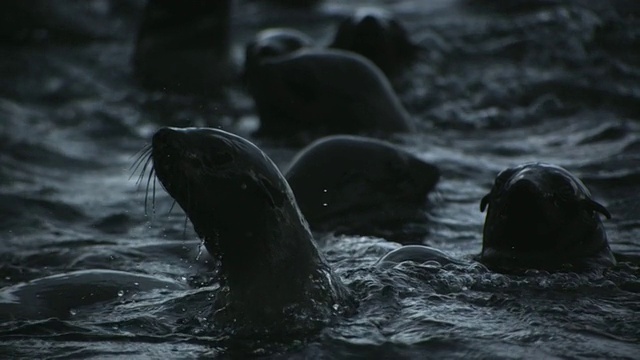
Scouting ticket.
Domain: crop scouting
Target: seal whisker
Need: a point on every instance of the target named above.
(144, 153)
(144, 170)
(146, 195)
(172, 205)
(153, 198)
(145, 148)
(184, 229)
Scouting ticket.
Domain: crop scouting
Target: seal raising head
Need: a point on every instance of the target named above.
(541, 216)
(241, 206)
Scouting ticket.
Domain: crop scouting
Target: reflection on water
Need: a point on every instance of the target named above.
(552, 81)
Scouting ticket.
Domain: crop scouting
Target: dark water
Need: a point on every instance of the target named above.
(496, 85)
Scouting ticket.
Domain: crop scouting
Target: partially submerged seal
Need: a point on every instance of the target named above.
(542, 216)
(271, 43)
(58, 296)
(357, 185)
(321, 92)
(377, 35)
(241, 206)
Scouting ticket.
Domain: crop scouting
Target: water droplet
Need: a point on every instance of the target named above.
(120, 292)
(324, 204)
(324, 190)
(200, 250)
(136, 284)
(336, 307)
(72, 312)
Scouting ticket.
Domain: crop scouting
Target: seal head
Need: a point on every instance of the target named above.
(375, 34)
(542, 216)
(271, 43)
(243, 209)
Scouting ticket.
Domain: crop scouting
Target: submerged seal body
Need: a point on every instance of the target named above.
(357, 185)
(241, 206)
(377, 35)
(322, 92)
(542, 216)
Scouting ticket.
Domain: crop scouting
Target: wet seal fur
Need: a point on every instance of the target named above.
(541, 216)
(375, 34)
(357, 185)
(318, 92)
(241, 206)
(57, 296)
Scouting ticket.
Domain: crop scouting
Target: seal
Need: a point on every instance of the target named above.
(242, 208)
(321, 92)
(357, 185)
(49, 297)
(418, 254)
(377, 35)
(541, 216)
(273, 42)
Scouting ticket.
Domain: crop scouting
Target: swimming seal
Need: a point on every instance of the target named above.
(541, 216)
(57, 296)
(358, 185)
(241, 206)
(270, 43)
(322, 92)
(377, 35)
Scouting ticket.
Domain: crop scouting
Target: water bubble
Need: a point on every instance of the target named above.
(72, 312)
(324, 190)
(243, 186)
(136, 284)
(324, 204)
(120, 292)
